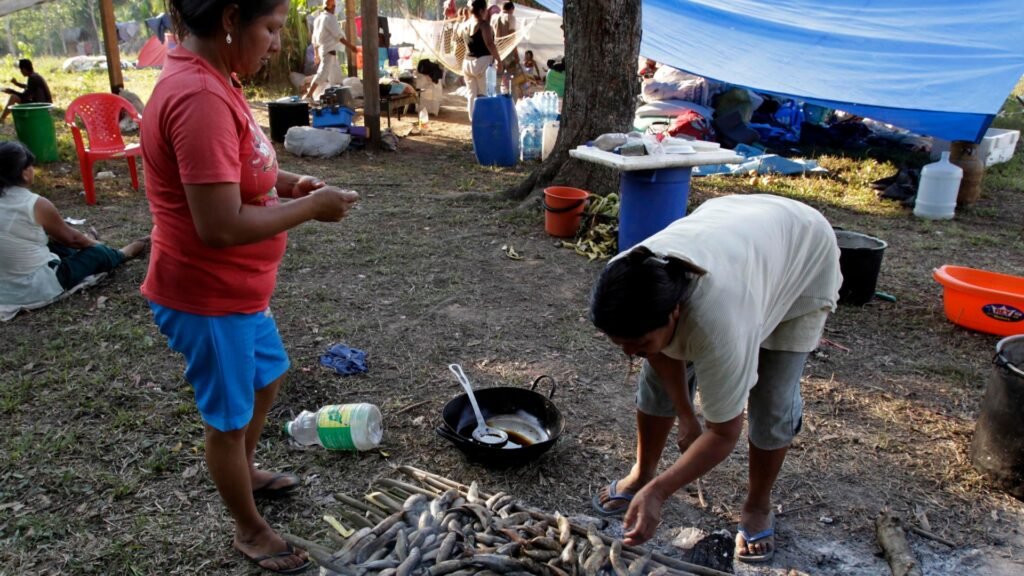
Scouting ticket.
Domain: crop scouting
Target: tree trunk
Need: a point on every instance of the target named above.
(12, 46)
(602, 39)
(95, 28)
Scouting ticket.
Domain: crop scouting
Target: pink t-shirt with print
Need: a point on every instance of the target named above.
(199, 129)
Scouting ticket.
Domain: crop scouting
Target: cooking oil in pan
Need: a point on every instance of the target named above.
(523, 429)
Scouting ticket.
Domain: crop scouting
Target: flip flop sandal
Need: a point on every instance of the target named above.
(752, 538)
(268, 493)
(613, 496)
(289, 551)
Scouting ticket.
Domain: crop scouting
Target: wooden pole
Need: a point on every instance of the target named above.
(110, 45)
(350, 34)
(371, 86)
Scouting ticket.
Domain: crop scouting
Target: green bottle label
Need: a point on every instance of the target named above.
(334, 426)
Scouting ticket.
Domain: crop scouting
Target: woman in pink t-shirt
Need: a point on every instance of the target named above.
(219, 232)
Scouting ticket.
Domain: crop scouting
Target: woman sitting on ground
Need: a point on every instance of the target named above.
(40, 255)
(534, 74)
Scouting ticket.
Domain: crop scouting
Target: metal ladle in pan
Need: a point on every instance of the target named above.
(482, 433)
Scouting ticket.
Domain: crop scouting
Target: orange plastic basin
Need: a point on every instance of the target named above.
(983, 301)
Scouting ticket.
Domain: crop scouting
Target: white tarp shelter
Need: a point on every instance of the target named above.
(545, 36)
(11, 6)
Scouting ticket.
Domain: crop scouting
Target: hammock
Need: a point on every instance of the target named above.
(448, 48)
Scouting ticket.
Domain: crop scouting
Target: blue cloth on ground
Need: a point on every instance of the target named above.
(757, 162)
(345, 360)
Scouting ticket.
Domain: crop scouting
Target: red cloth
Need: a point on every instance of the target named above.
(198, 129)
(692, 124)
(450, 10)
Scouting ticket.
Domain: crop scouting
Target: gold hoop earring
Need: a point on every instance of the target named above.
(228, 39)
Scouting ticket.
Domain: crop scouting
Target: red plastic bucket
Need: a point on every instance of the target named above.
(563, 209)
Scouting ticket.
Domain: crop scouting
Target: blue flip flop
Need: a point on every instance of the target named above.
(613, 496)
(752, 538)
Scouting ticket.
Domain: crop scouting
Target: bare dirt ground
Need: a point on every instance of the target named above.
(102, 471)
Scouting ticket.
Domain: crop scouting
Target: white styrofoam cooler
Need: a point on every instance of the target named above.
(999, 145)
(996, 147)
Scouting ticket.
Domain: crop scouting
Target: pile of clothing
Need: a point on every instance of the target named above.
(692, 107)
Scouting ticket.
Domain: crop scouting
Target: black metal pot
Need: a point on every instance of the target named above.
(458, 422)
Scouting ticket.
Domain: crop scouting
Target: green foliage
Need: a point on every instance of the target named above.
(295, 36)
(25, 50)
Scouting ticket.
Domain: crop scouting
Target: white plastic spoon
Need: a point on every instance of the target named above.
(482, 433)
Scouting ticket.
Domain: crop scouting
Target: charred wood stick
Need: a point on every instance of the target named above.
(405, 486)
(384, 501)
(412, 407)
(421, 475)
(376, 515)
(930, 535)
(319, 553)
(355, 519)
(893, 541)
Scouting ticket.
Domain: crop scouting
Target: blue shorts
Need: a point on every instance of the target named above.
(228, 358)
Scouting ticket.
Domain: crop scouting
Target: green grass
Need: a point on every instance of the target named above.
(104, 451)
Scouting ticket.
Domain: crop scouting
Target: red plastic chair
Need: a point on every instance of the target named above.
(100, 113)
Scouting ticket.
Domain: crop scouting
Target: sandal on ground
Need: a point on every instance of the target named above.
(613, 496)
(289, 551)
(267, 492)
(768, 535)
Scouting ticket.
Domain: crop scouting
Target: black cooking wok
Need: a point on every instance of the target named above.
(458, 422)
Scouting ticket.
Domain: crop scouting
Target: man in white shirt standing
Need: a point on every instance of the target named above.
(504, 25)
(741, 288)
(327, 41)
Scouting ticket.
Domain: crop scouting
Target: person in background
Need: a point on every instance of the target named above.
(34, 89)
(740, 288)
(219, 233)
(451, 9)
(493, 10)
(40, 255)
(327, 41)
(505, 25)
(481, 52)
(533, 73)
(648, 69)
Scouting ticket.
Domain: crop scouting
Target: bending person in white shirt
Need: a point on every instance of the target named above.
(327, 41)
(741, 288)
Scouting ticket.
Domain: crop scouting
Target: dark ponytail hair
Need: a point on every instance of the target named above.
(636, 294)
(202, 18)
(14, 159)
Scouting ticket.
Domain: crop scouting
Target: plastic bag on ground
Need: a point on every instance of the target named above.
(308, 141)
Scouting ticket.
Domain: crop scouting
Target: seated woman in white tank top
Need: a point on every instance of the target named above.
(40, 255)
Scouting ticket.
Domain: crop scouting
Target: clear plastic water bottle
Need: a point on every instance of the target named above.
(338, 427)
(492, 80)
(550, 106)
(424, 119)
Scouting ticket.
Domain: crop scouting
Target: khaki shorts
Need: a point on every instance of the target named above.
(774, 407)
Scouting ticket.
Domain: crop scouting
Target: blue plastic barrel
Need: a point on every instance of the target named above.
(393, 55)
(495, 131)
(649, 201)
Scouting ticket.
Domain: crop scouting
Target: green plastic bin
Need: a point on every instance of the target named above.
(555, 82)
(34, 125)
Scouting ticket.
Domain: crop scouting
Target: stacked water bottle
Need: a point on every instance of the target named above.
(533, 112)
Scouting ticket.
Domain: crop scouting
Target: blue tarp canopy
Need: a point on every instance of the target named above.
(937, 67)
